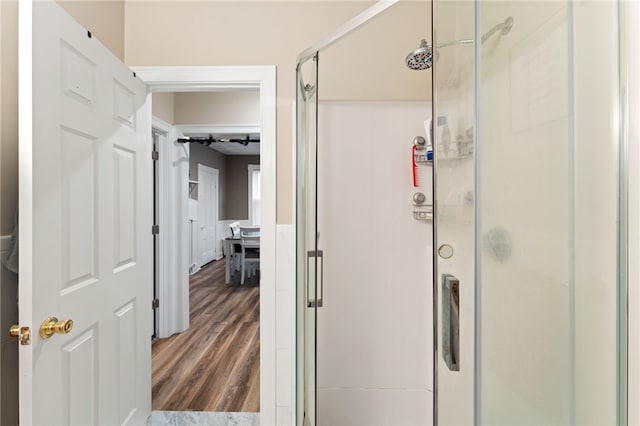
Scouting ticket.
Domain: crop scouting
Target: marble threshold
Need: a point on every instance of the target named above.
(202, 418)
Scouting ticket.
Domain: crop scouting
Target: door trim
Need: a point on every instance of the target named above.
(250, 169)
(183, 79)
(217, 128)
(173, 286)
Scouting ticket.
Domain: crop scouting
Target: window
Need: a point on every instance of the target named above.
(254, 194)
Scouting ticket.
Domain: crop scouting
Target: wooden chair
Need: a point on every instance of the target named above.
(235, 229)
(250, 251)
(234, 252)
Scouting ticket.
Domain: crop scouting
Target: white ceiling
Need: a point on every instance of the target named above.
(230, 148)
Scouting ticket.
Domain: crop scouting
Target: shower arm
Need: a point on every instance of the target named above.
(453, 43)
(505, 27)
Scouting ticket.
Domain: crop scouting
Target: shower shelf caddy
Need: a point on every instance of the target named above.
(421, 153)
(420, 157)
(421, 210)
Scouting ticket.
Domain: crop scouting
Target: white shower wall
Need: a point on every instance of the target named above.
(375, 331)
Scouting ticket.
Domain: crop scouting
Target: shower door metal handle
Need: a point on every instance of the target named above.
(451, 321)
(317, 302)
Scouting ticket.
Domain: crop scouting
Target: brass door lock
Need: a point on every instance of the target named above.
(22, 333)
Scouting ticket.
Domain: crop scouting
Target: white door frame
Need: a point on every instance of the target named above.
(631, 68)
(201, 207)
(250, 169)
(200, 79)
(173, 281)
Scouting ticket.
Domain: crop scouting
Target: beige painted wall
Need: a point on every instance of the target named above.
(369, 64)
(239, 107)
(237, 190)
(8, 115)
(105, 19)
(275, 32)
(219, 108)
(162, 106)
(245, 33)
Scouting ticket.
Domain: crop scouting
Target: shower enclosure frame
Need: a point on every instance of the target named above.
(629, 204)
(630, 117)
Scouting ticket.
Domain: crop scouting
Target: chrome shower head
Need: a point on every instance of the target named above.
(421, 58)
(503, 27)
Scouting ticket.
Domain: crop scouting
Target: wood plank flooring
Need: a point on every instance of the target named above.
(215, 364)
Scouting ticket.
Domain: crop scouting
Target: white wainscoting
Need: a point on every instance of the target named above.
(285, 325)
(9, 346)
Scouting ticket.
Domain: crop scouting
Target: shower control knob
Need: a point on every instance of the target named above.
(445, 251)
(419, 141)
(419, 198)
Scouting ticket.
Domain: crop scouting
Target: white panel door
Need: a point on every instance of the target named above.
(85, 217)
(207, 212)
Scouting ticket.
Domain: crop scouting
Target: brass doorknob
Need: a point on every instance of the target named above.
(14, 330)
(52, 326)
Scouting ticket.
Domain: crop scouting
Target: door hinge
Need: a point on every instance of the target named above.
(155, 229)
(155, 304)
(154, 155)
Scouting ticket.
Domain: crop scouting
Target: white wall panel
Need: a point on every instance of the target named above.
(125, 175)
(366, 407)
(285, 324)
(375, 327)
(79, 194)
(78, 75)
(126, 334)
(124, 105)
(79, 378)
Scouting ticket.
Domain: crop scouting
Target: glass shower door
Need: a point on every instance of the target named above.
(309, 298)
(529, 230)
(454, 200)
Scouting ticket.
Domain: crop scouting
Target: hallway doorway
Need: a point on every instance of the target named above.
(177, 79)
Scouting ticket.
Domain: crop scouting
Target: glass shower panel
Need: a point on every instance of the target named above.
(525, 217)
(364, 318)
(529, 236)
(599, 282)
(546, 213)
(307, 257)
